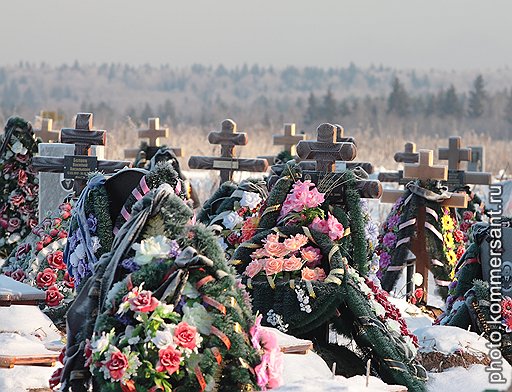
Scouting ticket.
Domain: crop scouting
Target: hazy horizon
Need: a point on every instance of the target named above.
(454, 35)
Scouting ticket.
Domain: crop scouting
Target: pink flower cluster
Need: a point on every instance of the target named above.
(291, 255)
(330, 226)
(269, 372)
(303, 195)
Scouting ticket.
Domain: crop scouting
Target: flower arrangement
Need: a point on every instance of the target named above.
(170, 315)
(453, 240)
(19, 184)
(39, 261)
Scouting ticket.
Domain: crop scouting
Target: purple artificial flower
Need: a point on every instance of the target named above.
(393, 221)
(389, 240)
(92, 223)
(384, 260)
(175, 249)
(130, 265)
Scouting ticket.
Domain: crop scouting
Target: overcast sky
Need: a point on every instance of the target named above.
(448, 34)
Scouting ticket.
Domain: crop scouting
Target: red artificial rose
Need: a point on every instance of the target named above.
(56, 222)
(47, 239)
(14, 224)
(22, 157)
(46, 278)
(169, 360)
(54, 232)
(69, 281)
(55, 378)
(65, 214)
(65, 207)
(18, 275)
(143, 302)
(458, 235)
(63, 234)
(460, 251)
(39, 246)
(418, 293)
(185, 335)
(117, 365)
(22, 250)
(55, 260)
(17, 200)
(22, 178)
(4, 223)
(53, 296)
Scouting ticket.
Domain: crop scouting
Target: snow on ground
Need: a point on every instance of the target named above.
(22, 378)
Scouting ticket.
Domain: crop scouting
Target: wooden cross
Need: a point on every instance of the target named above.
(424, 170)
(153, 133)
(458, 178)
(81, 163)
(409, 155)
(46, 133)
(340, 135)
(227, 138)
(325, 151)
(289, 139)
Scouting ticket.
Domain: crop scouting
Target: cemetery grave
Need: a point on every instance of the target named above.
(154, 240)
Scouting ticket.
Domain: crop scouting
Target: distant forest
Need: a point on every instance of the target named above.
(375, 99)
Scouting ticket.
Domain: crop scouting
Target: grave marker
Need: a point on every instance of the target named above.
(477, 162)
(326, 151)
(46, 133)
(228, 138)
(78, 165)
(409, 155)
(153, 133)
(424, 170)
(289, 140)
(458, 178)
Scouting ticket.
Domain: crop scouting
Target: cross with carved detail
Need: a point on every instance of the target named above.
(228, 138)
(46, 133)
(81, 163)
(153, 133)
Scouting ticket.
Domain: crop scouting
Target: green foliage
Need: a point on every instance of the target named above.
(398, 101)
(477, 98)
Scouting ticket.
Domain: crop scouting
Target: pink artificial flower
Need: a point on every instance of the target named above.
(253, 268)
(273, 266)
(315, 198)
(22, 178)
(18, 275)
(506, 307)
(259, 253)
(312, 255)
(273, 247)
(336, 229)
(296, 242)
(185, 335)
(261, 373)
(169, 360)
(117, 365)
(320, 274)
(320, 225)
(308, 274)
(255, 332)
(143, 301)
(292, 263)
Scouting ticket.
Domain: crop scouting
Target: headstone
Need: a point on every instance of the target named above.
(227, 163)
(458, 178)
(153, 134)
(477, 162)
(326, 151)
(46, 133)
(78, 165)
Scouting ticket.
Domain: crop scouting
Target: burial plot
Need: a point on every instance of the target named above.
(227, 163)
(46, 133)
(424, 171)
(409, 155)
(153, 134)
(325, 151)
(73, 158)
(458, 179)
(341, 164)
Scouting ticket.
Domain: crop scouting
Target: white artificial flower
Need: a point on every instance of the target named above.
(73, 259)
(166, 308)
(128, 333)
(19, 148)
(250, 200)
(393, 325)
(95, 244)
(231, 220)
(198, 316)
(14, 237)
(152, 248)
(417, 279)
(379, 309)
(101, 344)
(410, 345)
(163, 339)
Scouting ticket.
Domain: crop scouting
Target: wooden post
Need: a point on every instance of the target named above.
(46, 133)
(227, 163)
